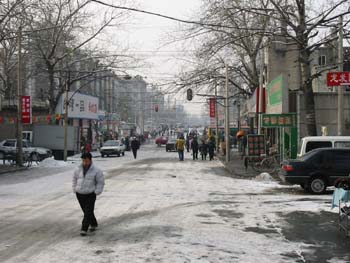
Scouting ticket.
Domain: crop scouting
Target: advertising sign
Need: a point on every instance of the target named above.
(279, 120)
(277, 96)
(26, 110)
(212, 107)
(256, 144)
(338, 78)
(81, 106)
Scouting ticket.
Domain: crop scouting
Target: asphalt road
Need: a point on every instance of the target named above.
(157, 209)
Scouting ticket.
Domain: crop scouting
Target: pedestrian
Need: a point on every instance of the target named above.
(188, 143)
(180, 146)
(194, 146)
(203, 148)
(211, 149)
(88, 182)
(135, 145)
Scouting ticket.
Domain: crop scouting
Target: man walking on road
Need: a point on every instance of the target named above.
(88, 181)
(180, 146)
(135, 145)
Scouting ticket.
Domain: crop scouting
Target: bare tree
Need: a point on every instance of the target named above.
(68, 31)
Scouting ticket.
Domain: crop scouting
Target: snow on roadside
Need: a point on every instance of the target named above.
(264, 177)
(50, 162)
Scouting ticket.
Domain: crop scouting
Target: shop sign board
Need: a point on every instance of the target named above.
(212, 107)
(26, 110)
(338, 79)
(279, 120)
(277, 96)
(256, 144)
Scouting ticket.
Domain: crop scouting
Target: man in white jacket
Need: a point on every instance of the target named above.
(88, 181)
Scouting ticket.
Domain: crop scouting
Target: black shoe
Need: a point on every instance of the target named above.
(83, 233)
(93, 228)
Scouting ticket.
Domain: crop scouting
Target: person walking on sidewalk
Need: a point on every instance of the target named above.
(88, 181)
(194, 146)
(135, 145)
(180, 146)
(211, 149)
(203, 148)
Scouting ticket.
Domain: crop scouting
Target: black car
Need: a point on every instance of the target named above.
(170, 145)
(317, 169)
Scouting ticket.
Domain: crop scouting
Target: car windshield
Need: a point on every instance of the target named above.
(111, 143)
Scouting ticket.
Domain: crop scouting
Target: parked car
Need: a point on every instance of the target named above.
(162, 140)
(9, 146)
(314, 142)
(170, 145)
(112, 147)
(317, 169)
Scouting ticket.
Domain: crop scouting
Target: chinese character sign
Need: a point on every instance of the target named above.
(212, 107)
(256, 145)
(279, 120)
(338, 78)
(26, 110)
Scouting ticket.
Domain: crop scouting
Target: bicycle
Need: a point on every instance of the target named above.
(268, 164)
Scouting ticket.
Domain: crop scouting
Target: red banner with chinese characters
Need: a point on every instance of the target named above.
(26, 110)
(338, 78)
(212, 107)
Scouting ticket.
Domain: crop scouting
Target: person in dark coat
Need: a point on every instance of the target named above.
(211, 148)
(135, 145)
(194, 147)
(203, 148)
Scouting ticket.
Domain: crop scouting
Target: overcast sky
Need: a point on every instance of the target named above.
(148, 37)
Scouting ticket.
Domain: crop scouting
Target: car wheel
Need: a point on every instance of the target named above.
(118, 154)
(317, 185)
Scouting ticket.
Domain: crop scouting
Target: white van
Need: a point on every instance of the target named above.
(313, 142)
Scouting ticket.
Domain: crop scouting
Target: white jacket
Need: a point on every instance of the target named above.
(93, 182)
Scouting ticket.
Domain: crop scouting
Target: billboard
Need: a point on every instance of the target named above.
(81, 106)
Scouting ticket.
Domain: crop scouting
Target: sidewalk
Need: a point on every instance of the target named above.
(6, 168)
(236, 165)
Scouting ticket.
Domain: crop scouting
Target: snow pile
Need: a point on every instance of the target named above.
(264, 177)
(50, 162)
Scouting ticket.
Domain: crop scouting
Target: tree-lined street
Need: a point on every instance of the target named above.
(157, 209)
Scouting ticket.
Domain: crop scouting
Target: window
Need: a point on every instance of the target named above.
(314, 145)
(341, 144)
(9, 144)
(322, 60)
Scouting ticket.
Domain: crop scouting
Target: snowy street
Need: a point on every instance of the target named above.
(157, 209)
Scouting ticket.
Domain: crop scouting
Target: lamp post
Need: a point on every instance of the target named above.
(227, 117)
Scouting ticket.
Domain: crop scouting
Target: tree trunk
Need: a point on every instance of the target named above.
(309, 101)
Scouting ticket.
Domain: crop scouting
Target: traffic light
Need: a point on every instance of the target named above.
(189, 94)
(156, 108)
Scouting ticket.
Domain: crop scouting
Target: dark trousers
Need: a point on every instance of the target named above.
(134, 152)
(87, 204)
(204, 156)
(181, 155)
(195, 154)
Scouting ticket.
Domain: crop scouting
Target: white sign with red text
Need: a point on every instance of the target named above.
(81, 106)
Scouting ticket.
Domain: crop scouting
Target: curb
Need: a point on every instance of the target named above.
(12, 170)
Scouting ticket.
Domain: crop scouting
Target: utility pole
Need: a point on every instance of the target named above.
(66, 104)
(227, 118)
(19, 103)
(340, 88)
(261, 84)
(216, 118)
